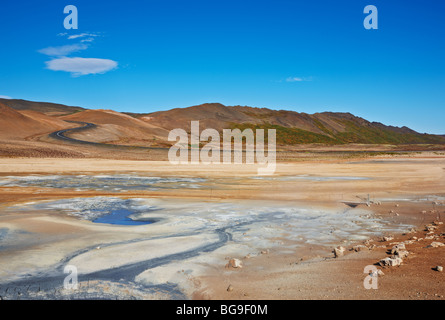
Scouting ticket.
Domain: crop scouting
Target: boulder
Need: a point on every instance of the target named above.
(430, 228)
(397, 248)
(359, 247)
(436, 244)
(390, 262)
(235, 263)
(339, 251)
(401, 254)
(439, 268)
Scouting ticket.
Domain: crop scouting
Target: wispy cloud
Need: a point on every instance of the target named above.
(87, 40)
(298, 79)
(81, 66)
(63, 50)
(82, 35)
(77, 66)
(5, 97)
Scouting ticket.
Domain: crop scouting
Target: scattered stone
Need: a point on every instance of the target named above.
(401, 254)
(265, 251)
(397, 205)
(339, 251)
(430, 228)
(229, 288)
(414, 238)
(439, 268)
(436, 244)
(390, 262)
(437, 223)
(397, 248)
(359, 247)
(235, 263)
(388, 238)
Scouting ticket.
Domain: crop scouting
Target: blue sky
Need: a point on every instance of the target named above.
(307, 56)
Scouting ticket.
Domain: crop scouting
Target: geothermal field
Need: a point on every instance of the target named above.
(153, 230)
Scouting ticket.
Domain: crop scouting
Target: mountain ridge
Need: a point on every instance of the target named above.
(292, 127)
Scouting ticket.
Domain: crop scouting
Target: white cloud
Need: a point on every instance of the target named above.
(294, 79)
(5, 97)
(298, 79)
(87, 40)
(63, 50)
(81, 66)
(82, 35)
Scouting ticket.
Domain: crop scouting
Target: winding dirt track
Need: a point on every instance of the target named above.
(61, 135)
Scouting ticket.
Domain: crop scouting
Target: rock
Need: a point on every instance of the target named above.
(401, 254)
(439, 268)
(430, 227)
(398, 248)
(437, 223)
(397, 205)
(229, 288)
(359, 247)
(380, 273)
(265, 251)
(235, 263)
(388, 238)
(390, 262)
(339, 251)
(436, 244)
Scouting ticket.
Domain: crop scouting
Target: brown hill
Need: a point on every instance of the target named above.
(292, 127)
(152, 129)
(53, 109)
(116, 127)
(19, 125)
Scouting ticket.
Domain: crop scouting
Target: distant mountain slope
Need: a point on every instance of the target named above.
(116, 127)
(17, 125)
(53, 109)
(292, 127)
(21, 118)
